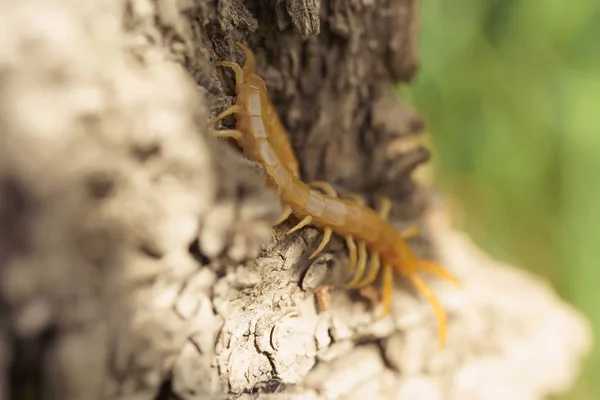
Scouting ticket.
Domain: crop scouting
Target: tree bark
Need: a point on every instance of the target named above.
(137, 260)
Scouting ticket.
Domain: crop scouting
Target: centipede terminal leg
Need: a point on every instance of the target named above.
(437, 308)
(434, 269)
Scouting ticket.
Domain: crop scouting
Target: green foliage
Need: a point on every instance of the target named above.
(511, 91)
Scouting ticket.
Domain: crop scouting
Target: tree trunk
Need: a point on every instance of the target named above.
(137, 259)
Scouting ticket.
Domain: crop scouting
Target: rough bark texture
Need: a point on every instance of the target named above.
(136, 255)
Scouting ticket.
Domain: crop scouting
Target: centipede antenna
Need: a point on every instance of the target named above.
(250, 63)
(239, 73)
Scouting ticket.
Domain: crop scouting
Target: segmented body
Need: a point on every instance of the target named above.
(367, 232)
(276, 133)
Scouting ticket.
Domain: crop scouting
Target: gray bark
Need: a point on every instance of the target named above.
(137, 260)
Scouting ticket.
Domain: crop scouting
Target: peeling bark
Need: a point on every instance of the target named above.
(137, 259)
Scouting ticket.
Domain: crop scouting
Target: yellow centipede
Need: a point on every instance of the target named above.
(262, 138)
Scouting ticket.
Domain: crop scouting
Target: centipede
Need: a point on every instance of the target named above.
(375, 248)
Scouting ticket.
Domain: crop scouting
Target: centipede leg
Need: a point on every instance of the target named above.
(330, 191)
(410, 232)
(307, 220)
(352, 250)
(325, 187)
(228, 133)
(326, 237)
(439, 312)
(360, 266)
(287, 211)
(385, 206)
(357, 198)
(234, 109)
(374, 267)
(387, 291)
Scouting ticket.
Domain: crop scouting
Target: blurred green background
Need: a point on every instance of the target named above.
(511, 93)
